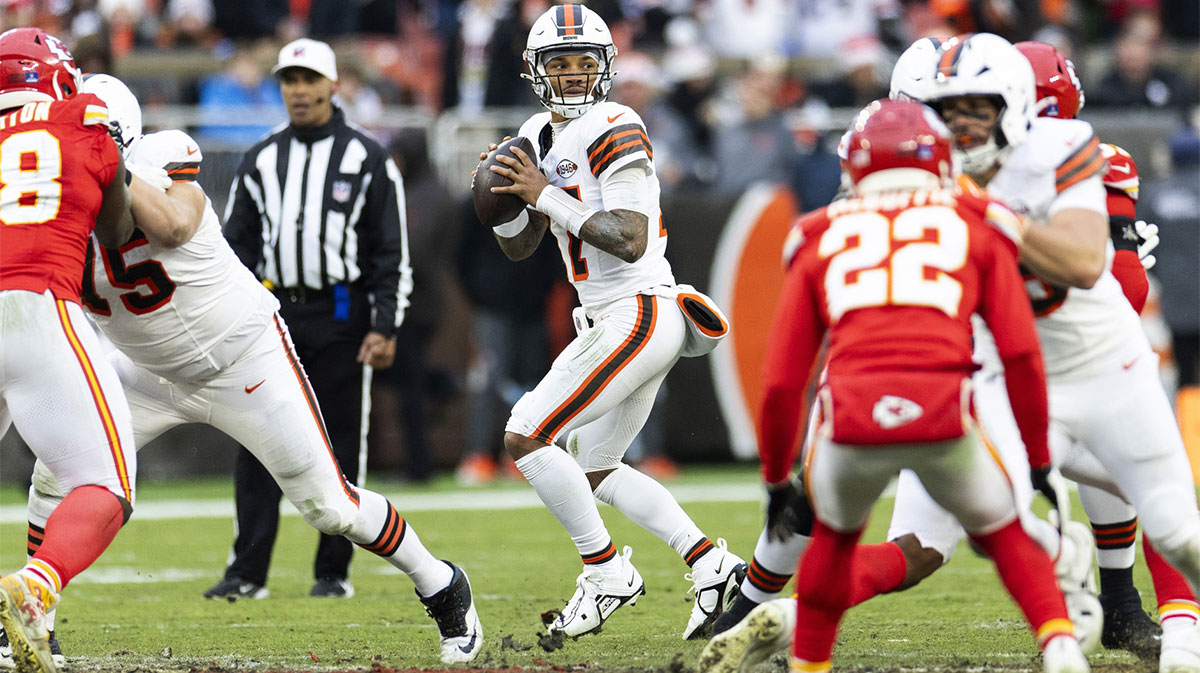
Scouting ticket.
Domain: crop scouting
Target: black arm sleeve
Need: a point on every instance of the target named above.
(1123, 233)
(383, 247)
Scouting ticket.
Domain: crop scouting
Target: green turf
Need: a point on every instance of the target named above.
(142, 600)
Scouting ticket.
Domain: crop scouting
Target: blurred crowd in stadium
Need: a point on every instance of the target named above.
(733, 92)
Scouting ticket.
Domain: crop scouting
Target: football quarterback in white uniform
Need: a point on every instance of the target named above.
(593, 184)
(199, 341)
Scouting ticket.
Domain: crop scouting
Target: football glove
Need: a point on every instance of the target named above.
(1147, 241)
(155, 177)
(788, 511)
(1050, 483)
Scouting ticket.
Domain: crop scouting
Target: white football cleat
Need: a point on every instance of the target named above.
(767, 629)
(1063, 655)
(1073, 567)
(597, 596)
(1180, 650)
(1086, 613)
(715, 579)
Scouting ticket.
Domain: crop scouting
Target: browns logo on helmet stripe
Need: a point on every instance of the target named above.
(569, 20)
(951, 50)
(617, 142)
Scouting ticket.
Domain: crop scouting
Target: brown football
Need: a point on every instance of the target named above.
(496, 209)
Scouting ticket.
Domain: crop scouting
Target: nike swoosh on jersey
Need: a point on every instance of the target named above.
(613, 119)
(1119, 167)
(250, 389)
(192, 150)
(1127, 365)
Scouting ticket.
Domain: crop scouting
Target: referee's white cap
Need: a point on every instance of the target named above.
(308, 53)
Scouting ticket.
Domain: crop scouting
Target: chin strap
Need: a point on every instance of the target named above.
(977, 161)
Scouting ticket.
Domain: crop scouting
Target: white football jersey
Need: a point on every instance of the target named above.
(576, 158)
(1077, 327)
(182, 313)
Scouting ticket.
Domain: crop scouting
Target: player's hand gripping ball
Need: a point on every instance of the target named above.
(496, 209)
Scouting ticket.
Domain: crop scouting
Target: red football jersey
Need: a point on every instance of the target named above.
(893, 280)
(55, 160)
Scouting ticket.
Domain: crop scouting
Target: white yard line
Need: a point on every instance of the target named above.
(488, 499)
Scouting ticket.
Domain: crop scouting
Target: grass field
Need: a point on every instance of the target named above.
(139, 607)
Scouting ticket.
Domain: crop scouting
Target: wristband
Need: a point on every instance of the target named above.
(564, 209)
(516, 226)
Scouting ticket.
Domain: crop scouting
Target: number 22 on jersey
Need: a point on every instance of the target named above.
(875, 260)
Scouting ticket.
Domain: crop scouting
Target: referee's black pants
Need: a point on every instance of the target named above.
(327, 348)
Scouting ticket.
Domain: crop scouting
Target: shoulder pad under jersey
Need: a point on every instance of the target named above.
(1122, 175)
(173, 151)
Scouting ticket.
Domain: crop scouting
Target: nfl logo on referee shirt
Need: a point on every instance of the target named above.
(341, 191)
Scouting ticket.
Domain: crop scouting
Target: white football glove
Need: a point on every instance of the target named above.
(1148, 233)
(155, 177)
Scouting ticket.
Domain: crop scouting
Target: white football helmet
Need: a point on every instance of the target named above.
(914, 70)
(569, 29)
(983, 64)
(124, 112)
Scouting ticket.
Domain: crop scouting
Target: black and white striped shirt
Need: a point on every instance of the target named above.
(314, 207)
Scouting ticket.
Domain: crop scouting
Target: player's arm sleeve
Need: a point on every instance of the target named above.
(619, 146)
(1005, 308)
(383, 248)
(628, 188)
(1126, 267)
(795, 339)
(243, 227)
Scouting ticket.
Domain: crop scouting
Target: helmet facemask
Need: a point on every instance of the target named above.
(978, 160)
(548, 87)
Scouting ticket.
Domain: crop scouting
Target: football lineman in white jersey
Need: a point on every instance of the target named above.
(593, 185)
(199, 340)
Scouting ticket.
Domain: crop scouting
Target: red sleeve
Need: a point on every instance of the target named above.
(791, 353)
(1132, 276)
(106, 158)
(1005, 308)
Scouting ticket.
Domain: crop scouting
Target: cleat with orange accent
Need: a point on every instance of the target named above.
(597, 596)
(23, 616)
(715, 580)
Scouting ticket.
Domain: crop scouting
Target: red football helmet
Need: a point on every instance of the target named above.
(1056, 80)
(35, 66)
(898, 144)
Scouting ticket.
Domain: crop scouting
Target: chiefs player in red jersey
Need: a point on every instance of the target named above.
(61, 176)
(1114, 521)
(891, 277)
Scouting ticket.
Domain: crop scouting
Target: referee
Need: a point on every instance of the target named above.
(317, 212)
